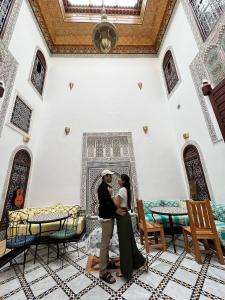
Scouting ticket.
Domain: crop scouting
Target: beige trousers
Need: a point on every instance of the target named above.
(107, 232)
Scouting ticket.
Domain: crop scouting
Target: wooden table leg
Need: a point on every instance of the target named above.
(172, 233)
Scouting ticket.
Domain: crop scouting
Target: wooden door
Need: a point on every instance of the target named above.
(195, 174)
(18, 179)
(217, 98)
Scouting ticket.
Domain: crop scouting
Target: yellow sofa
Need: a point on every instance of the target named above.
(46, 228)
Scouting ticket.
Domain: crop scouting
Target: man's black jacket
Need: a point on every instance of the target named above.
(107, 207)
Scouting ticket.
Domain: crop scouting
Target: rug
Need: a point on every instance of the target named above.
(93, 263)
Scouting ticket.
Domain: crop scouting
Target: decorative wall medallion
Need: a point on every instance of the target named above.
(140, 84)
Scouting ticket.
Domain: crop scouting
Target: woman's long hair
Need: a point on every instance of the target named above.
(126, 183)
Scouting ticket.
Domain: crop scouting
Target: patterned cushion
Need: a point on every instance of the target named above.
(14, 216)
(149, 204)
(218, 211)
(20, 241)
(162, 219)
(174, 203)
(63, 234)
(220, 226)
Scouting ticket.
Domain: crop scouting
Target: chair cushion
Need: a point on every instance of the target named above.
(220, 226)
(218, 211)
(63, 234)
(20, 241)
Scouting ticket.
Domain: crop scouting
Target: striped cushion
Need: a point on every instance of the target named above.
(220, 226)
(162, 219)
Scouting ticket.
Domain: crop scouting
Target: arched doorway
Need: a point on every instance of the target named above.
(17, 185)
(195, 174)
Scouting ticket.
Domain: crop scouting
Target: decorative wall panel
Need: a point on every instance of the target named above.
(207, 13)
(8, 64)
(105, 151)
(5, 8)
(21, 115)
(8, 68)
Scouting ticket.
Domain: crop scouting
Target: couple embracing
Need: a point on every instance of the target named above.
(111, 208)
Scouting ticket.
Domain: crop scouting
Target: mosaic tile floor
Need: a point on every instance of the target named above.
(170, 276)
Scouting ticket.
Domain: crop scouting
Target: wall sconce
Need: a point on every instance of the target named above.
(71, 85)
(206, 87)
(145, 129)
(2, 89)
(186, 135)
(26, 139)
(140, 84)
(67, 130)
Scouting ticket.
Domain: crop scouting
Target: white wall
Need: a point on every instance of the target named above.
(105, 98)
(24, 41)
(190, 116)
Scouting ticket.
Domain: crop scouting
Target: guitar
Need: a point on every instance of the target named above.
(19, 198)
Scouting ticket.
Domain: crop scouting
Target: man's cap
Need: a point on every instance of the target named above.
(106, 172)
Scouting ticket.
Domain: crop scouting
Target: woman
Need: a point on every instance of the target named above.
(130, 257)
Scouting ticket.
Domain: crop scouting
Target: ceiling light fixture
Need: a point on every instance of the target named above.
(104, 34)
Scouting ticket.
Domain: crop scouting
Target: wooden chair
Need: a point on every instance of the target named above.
(154, 229)
(202, 227)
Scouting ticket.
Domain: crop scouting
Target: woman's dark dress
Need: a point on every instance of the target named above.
(130, 257)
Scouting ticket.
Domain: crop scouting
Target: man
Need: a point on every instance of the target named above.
(107, 213)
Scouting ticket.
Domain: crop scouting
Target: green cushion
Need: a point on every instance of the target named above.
(220, 226)
(162, 219)
(63, 234)
(218, 211)
(149, 204)
(173, 203)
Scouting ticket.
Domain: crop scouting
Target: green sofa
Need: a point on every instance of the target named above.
(218, 212)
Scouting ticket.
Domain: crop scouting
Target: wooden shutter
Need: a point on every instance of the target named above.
(217, 98)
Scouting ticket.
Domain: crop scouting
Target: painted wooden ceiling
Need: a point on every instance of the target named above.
(67, 26)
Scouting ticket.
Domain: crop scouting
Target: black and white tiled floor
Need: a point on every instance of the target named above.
(170, 276)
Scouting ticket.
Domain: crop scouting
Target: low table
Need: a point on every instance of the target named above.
(170, 211)
(47, 218)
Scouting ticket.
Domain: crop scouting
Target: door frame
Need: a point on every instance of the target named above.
(8, 175)
(195, 144)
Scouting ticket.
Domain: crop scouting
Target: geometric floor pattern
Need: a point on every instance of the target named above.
(170, 276)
